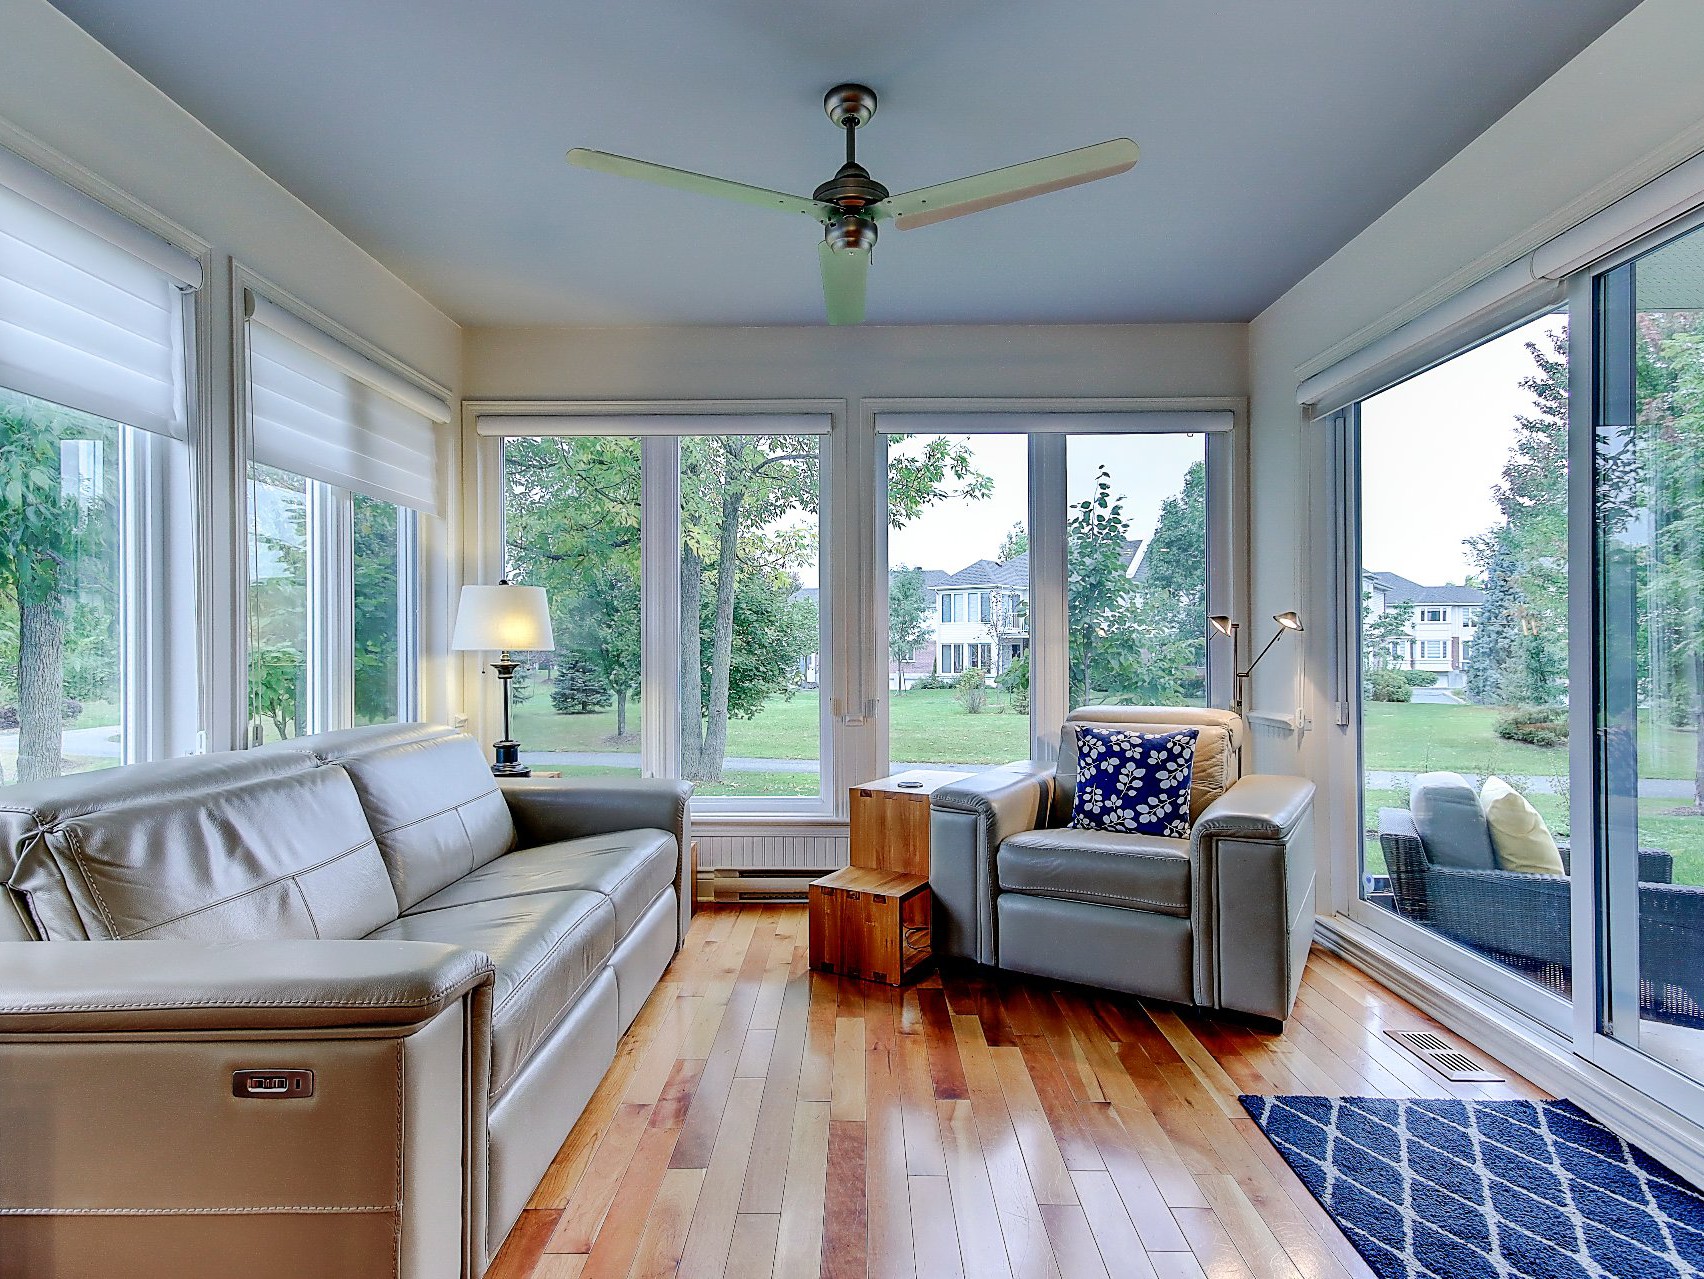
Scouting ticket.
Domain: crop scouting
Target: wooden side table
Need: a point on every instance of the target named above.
(873, 919)
(871, 924)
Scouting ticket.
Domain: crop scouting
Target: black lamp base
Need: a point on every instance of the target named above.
(508, 756)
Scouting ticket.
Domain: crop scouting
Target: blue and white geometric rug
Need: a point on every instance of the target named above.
(1487, 1189)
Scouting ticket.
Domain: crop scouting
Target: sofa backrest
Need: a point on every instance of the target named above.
(429, 795)
(1218, 749)
(1452, 826)
(210, 848)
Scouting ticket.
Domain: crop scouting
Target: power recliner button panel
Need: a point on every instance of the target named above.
(272, 1085)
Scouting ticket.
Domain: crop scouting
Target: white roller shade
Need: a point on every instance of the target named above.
(525, 424)
(1496, 302)
(325, 411)
(1121, 422)
(91, 305)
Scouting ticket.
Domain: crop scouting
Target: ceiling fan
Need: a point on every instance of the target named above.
(851, 203)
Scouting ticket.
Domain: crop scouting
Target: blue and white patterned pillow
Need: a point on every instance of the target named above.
(1134, 782)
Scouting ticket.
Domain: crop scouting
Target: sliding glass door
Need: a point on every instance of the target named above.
(1648, 520)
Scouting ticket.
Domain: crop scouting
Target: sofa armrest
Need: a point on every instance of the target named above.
(1252, 888)
(547, 809)
(130, 987)
(124, 1068)
(968, 821)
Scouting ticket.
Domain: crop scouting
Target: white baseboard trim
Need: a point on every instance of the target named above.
(1524, 1046)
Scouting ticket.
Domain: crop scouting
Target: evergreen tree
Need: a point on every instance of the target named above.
(576, 686)
(1492, 656)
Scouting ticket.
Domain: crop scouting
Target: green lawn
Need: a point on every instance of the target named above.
(1420, 737)
(927, 726)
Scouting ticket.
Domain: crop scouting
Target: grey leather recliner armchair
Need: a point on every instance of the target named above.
(1222, 919)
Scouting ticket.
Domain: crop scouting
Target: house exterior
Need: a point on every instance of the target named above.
(981, 616)
(1440, 624)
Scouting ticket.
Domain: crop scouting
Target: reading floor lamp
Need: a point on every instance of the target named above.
(509, 619)
(1287, 621)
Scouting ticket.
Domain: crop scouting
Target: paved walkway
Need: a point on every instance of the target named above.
(736, 763)
(1649, 787)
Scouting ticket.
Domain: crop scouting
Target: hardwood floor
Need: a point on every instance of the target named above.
(763, 1121)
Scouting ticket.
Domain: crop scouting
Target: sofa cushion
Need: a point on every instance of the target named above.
(1218, 743)
(629, 867)
(430, 797)
(1451, 824)
(1099, 867)
(1520, 840)
(547, 948)
(208, 848)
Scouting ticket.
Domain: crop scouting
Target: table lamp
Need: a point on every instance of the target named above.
(509, 619)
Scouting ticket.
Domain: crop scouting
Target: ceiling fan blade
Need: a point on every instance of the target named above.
(1004, 186)
(681, 180)
(845, 273)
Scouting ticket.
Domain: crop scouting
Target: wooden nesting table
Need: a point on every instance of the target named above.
(874, 918)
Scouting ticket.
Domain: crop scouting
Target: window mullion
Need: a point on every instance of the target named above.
(1049, 675)
(659, 603)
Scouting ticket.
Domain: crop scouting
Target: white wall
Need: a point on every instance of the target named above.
(59, 87)
(1628, 107)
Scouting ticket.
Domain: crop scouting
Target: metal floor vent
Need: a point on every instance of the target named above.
(1441, 1056)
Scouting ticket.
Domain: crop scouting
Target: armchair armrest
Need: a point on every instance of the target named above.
(547, 809)
(170, 986)
(1252, 887)
(968, 821)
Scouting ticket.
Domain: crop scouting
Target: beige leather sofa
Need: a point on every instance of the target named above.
(1222, 919)
(452, 960)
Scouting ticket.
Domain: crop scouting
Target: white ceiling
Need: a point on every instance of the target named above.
(432, 132)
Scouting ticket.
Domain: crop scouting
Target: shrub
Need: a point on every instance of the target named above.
(11, 722)
(973, 691)
(931, 681)
(1420, 679)
(1016, 682)
(1389, 686)
(1535, 725)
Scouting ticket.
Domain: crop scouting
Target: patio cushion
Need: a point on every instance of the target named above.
(1451, 825)
(1519, 838)
(1098, 867)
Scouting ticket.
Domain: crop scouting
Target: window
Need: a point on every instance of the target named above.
(572, 525)
(958, 502)
(1469, 619)
(1493, 481)
(344, 461)
(98, 659)
(680, 556)
(750, 707)
(1136, 526)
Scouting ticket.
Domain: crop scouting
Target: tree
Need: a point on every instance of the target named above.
(1497, 630)
(576, 687)
(1379, 631)
(1014, 544)
(908, 617)
(378, 646)
(47, 534)
(1098, 603)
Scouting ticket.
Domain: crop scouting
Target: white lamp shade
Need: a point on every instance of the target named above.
(510, 618)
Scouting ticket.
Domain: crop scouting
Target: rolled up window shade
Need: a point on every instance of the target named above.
(91, 304)
(320, 409)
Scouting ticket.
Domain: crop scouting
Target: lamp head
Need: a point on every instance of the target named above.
(503, 617)
(1221, 624)
(1288, 620)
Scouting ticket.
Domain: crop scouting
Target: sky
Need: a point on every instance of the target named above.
(1146, 469)
(1433, 447)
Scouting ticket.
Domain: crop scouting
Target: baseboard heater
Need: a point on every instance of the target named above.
(727, 884)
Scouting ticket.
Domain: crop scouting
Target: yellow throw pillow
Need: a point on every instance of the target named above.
(1519, 836)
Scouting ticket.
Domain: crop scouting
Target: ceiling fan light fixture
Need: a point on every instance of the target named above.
(851, 234)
